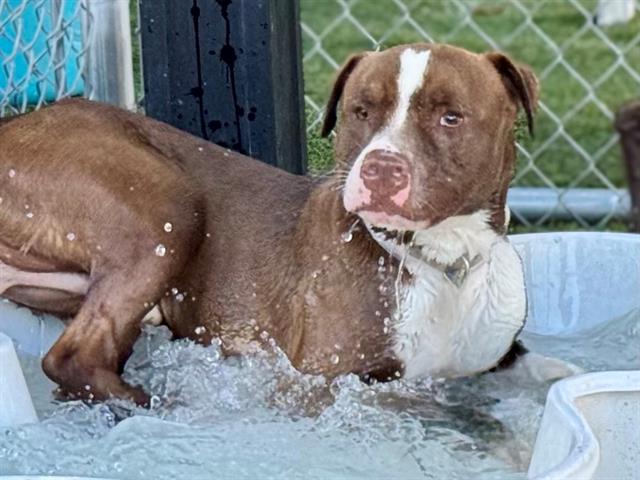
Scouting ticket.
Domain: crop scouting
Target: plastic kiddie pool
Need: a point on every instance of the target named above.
(575, 281)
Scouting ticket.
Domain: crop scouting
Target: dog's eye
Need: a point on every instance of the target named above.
(451, 119)
(361, 113)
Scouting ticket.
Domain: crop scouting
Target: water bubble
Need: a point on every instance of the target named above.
(200, 149)
(385, 330)
(12, 173)
(361, 356)
(264, 335)
(71, 236)
(168, 227)
(174, 291)
(335, 359)
(29, 215)
(200, 330)
(160, 250)
(347, 236)
(325, 258)
(179, 297)
(381, 261)
(386, 320)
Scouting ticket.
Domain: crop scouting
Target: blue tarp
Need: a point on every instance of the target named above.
(31, 72)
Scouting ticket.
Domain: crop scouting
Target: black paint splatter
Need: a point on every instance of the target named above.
(228, 56)
(198, 91)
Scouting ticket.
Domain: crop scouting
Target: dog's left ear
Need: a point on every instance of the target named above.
(331, 115)
(521, 83)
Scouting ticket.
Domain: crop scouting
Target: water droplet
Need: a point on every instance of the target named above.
(179, 297)
(87, 387)
(168, 227)
(385, 330)
(386, 320)
(381, 261)
(335, 359)
(200, 149)
(361, 356)
(200, 330)
(347, 236)
(30, 215)
(161, 250)
(377, 313)
(12, 173)
(174, 291)
(264, 335)
(71, 236)
(26, 207)
(325, 258)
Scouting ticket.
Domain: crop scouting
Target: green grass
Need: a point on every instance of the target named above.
(560, 91)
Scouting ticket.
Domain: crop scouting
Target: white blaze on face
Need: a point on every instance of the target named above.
(413, 69)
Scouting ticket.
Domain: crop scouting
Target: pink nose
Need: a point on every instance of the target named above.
(385, 173)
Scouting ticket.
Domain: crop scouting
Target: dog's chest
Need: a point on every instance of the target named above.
(443, 330)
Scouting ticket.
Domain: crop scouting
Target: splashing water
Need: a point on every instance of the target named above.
(257, 417)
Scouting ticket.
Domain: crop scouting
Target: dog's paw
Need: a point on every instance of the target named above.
(544, 369)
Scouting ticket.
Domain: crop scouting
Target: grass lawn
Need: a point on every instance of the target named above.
(565, 28)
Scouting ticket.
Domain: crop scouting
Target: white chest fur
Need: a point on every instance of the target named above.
(445, 331)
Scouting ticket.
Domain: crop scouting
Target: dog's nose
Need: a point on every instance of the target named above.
(385, 173)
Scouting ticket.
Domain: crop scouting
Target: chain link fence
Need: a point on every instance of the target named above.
(586, 72)
(571, 170)
(43, 48)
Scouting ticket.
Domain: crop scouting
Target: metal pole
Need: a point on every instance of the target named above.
(109, 65)
(58, 49)
(591, 204)
(628, 125)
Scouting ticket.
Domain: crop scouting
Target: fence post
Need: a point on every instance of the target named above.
(229, 72)
(109, 65)
(628, 125)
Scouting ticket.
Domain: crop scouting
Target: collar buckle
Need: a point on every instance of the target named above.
(457, 272)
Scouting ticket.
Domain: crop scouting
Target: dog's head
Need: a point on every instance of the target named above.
(426, 133)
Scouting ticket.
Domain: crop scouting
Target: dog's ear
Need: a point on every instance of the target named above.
(521, 83)
(331, 115)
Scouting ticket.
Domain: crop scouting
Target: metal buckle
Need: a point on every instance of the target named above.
(457, 272)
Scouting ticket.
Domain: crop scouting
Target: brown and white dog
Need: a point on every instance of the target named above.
(396, 264)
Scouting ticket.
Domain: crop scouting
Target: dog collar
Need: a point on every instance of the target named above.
(455, 273)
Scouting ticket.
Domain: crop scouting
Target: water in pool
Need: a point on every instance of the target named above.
(256, 417)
